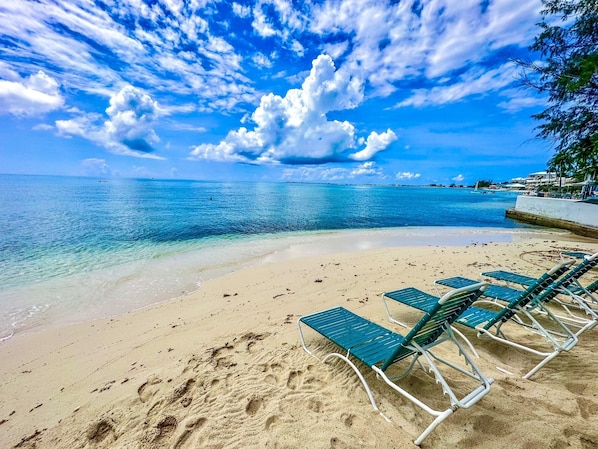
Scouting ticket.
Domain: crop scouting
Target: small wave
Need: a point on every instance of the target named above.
(6, 335)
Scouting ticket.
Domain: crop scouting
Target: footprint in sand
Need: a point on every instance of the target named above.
(272, 372)
(188, 435)
(587, 408)
(219, 385)
(271, 421)
(271, 379)
(148, 389)
(347, 419)
(578, 388)
(315, 405)
(276, 367)
(294, 379)
(500, 426)
(167, 425)
(215, 389)
(254, 405)
(182, 389)
(101, 430)
(159, 435)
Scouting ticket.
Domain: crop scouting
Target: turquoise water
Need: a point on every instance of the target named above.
(75, 248)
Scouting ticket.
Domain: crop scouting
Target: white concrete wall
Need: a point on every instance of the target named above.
(576, 211)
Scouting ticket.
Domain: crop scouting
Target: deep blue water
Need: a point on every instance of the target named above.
(56, 227)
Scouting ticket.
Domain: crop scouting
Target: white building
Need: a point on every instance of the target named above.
(543, 178)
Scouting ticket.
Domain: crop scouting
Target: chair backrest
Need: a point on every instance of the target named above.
(592, 287)
(436, 321)
(582, 268)
(576, 254)
(530, 293)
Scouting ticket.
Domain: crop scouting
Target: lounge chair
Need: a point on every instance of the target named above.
(588, 261)
(587, 293)
(382, 349)
(574, 254)
(488, 322)
(580, 297)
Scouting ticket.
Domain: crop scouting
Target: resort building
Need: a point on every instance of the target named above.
(543, 178)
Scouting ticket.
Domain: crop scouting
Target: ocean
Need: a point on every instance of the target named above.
(73, 248)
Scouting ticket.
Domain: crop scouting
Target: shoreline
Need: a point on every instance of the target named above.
(148, 282)
(223, 367)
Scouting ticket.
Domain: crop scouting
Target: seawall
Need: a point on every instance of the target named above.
(576, 216)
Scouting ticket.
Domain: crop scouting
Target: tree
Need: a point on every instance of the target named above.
(569, 75)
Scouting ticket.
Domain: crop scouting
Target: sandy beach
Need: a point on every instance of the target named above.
(224, 367)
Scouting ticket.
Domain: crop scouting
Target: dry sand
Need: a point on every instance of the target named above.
(224, 368)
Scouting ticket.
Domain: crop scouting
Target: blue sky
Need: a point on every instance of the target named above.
(351, 91)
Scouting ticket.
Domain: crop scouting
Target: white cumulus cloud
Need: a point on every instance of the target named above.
(407, 175)
(95, 167)
(240, 10)
(366, 169)
(332, 174)
(129, 128)
(375, 143)
(315, 173)
(34, 95)
(295, 128)
(132, 114)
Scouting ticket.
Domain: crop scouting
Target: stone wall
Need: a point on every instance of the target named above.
(576, 216)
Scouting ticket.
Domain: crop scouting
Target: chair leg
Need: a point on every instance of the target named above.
(548, 356)
(361, 378)
(388, 314)
(535, 369)
(439, 416)
(349, 362)
(466, 340)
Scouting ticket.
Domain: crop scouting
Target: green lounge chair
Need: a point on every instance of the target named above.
(587, 293)
(588, 261)
(488, 321)
(574, 254)
(580, 298)
(382, 350)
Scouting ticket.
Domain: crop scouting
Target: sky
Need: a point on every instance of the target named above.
(343, 91)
